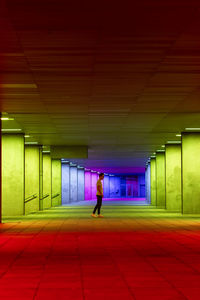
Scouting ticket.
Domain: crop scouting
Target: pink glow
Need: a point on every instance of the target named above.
(88, 185)
(94, 183)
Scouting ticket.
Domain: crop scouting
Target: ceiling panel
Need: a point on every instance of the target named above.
(122, 78)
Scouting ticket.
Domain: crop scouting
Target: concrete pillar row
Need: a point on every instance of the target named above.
(47, 181)
(73, 184)
(32, 179)
(106, 186)
(94, 182)
(65, 183)
(160, 180)
(88, 185)
(173, 177)
(190, 172)
(56, 182)
(81, 184)
(12, 175)
(148, 183)
(153, 181)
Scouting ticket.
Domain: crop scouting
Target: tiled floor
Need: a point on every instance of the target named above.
(133, 253)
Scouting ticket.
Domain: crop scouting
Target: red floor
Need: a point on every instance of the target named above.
(120, 259)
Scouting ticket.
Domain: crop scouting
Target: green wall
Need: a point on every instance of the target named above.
(173, 177)
(56, 182)
(32, 178)
(12, 174)
(153, 181)
(160, 179)
(46, 181)
(191, 173)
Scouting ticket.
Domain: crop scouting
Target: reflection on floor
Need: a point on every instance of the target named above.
(133, 253)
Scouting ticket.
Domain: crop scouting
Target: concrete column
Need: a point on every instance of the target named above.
(160, 179)
(190, 173)
(106, 186)
(141, 185)
(153, 181)
(148, 183)
(81, 184)
(32, 178)
(65, 183)
(88, 185)
(117, 186)
(114, 187)
(41, 179)
(94, 185)
(46, 181)
(12, 174)
(73, 184)
(173, 177)
(56, 182)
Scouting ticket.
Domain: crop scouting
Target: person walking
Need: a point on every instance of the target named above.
(99, 197)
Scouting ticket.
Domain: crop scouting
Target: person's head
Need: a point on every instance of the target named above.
(101, 176)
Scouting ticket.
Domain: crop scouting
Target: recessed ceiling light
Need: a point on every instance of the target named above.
(174, 142)
(27, 136)
(6, 119)
(10, 130)
(31, 143)
(178, 135)
(160, 150)
(198, 129)
(45, 151)
(163, 146)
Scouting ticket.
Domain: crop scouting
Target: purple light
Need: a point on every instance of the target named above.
(88, 185)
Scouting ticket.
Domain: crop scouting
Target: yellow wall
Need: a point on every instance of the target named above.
(56, 182)
(173, 177)
(153, 181)
(12, 174)
(160, 179)
(32, 178)
(191, 173)
(46, 181)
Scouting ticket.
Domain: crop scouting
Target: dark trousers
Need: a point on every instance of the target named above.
(98, 206)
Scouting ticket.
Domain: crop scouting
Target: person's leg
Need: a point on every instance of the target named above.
(99, 206)
(95, 209)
